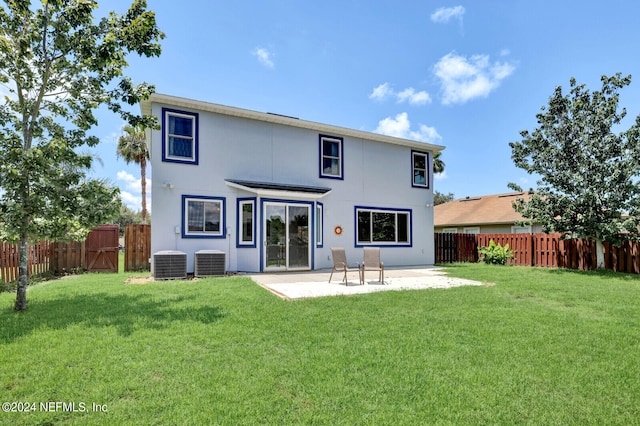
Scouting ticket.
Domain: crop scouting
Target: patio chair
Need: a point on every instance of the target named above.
(372, 263)
(339, 257)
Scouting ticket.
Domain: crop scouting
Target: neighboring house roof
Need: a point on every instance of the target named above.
(482, 210)
(145, 107)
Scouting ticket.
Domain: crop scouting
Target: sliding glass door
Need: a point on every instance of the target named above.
(286, 229)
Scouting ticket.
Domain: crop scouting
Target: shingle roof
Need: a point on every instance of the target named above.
(482, 210)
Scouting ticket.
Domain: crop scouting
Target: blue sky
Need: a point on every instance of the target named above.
(466, 75)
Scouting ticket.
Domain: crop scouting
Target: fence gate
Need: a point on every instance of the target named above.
(137, 248)
(101, 249)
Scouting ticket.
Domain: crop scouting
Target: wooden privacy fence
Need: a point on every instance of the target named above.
(10, 257)
(545, 250)
(137, 247)
(99, 253)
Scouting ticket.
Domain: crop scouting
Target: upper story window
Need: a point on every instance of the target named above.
(331, 159)
(203, 217)
(179, 136)
(420, 169)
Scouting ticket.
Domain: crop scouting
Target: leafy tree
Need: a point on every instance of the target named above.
(438, 164)
(127, 217)
(59, 65)
(588, 173)
(440, 198)
(132, 147)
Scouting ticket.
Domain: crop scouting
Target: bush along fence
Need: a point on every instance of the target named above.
(545, 250)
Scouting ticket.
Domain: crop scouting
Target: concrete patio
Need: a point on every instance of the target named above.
(299, 285)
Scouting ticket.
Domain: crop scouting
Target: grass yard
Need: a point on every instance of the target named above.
(533, 346)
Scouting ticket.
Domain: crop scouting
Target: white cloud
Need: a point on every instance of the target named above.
(264, 57)
(381, 92)
(131, 200)
(400, 127)
(440, 176)
(445, 14)
(413, 97)
(463, 78)
(385, 91)
(133, 185)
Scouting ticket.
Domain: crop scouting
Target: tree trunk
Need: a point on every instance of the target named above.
(21, 293)
(143, 182)
(599, 254)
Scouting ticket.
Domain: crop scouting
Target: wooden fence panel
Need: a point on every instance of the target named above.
(137, 248)
(102, 248)
(451, 248)
(65, 257)
(546, 250)
(10, 260)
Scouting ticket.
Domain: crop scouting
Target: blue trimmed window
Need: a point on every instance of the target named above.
(246, 225)
(203, 217)
(331, 158)
(179, 136)
(420, 169)
(383, 227)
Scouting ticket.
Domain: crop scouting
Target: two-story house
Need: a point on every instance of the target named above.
(276, 192)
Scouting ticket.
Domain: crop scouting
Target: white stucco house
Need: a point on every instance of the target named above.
(276, 193)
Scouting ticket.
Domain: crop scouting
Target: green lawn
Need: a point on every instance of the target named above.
(533, 346)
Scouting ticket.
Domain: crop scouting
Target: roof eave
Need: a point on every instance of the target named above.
(145, 107)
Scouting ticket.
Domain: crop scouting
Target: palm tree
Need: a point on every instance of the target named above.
(132, 147)
(438, 164)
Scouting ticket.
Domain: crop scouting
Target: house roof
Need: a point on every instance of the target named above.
(482, 210)
(175, 101)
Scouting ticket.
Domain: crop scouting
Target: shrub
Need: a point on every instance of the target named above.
(495, 254)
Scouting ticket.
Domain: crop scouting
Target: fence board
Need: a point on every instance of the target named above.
(137, 247)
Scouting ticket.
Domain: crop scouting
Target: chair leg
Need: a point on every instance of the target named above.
(331, 274)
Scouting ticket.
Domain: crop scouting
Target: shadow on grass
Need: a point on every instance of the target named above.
(602, 274)
(126, 312)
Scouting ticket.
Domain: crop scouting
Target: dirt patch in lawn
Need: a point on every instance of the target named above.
(139, 280)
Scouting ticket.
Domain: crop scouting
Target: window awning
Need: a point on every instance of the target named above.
(271, 189)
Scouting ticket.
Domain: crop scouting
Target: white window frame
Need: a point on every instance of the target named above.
(166, 136)
(450, 230)
(471, 230)
(339, 158)
(218, 202)
(415, 154)
(373, 210)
